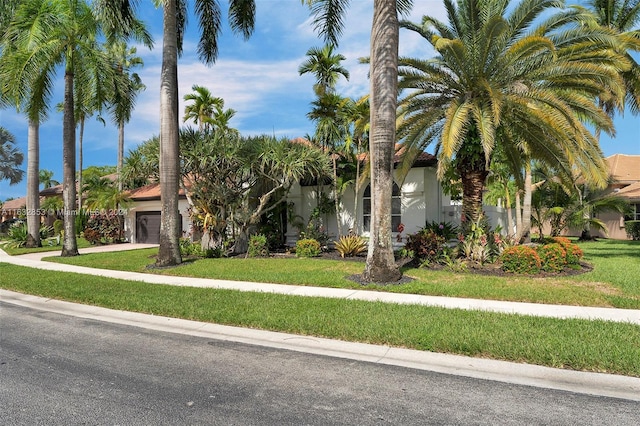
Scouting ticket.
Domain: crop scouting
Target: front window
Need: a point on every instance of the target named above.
(396, 208)
(635, 212)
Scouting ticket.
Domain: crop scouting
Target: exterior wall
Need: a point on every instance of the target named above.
(497, 216)
(422, 201)
(152, 205)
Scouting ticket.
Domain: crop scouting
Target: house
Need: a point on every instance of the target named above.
(625, 174)
(13, 209)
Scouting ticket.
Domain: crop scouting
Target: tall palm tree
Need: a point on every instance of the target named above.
(123, 93)
(46, 35)
(241, 19)
(10, 158)
(203, 108)
(511, 75)
(622, 17)
(380, 265)
(325, 65)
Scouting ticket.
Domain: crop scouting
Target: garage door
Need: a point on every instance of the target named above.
(148, 227)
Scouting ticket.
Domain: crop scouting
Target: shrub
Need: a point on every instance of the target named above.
(188, 248)
(633, 229)
(307, 247)
(314, 231)
(351, 245)
(258, 246)
(426, 245)
(107, 226)
(444, 229)
(552, 257)
(58, 226)
(573, 252)
(92, 236)
(17, 235)
(521, 260)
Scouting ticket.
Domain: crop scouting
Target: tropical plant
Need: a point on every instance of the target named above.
(68, 29)
(123, 92)
(308, 247)
(46, 179)
(203, 106)
(10, 158)
(241, 20)
(380, 265)
(351, 245)
(258, 246)
(516, 76)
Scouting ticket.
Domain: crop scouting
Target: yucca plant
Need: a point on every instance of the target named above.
(351, 245)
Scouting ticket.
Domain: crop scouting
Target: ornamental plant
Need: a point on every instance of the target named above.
(553, 257)
(573, 252)
(307, 247)
(351, 245)
(258, 246)
(426, 245)
(521, 260)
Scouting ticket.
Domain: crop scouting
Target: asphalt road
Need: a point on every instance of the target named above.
(62, 370)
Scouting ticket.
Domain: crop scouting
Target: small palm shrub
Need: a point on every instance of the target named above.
(351, 245)
(16, 235)
(58, 226)
(552, 257)
(258, 246)
(426, 245)
(307, 247)
(521, 260)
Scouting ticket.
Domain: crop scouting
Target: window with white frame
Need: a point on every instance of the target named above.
(396, 208)
(635, 212)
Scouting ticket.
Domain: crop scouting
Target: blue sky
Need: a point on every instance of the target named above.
(258, 78)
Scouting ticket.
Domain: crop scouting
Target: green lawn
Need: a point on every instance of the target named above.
(574, 344)
(612, 283)
(14, 251)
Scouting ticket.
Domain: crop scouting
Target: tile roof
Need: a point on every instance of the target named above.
(624, 168)
(18, 203)
(632, 192)
(149, 192)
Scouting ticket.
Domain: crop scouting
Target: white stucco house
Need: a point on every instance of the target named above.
(416, 200)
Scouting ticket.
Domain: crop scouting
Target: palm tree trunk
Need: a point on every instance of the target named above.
(518, 216)
(472, 186)
(380, 265)
(69, 244)
(80, 151)
(507, 200)
(357, 192)
(33, 184)
(169, 252)
(336, 198)
(120, 153)
(526, 204)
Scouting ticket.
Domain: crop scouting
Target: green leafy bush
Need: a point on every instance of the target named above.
(188, 248)
(426, 245)
(633, 229)
(444, 229)
(521, 260)
(258, 246)
(315, 231)
(552, 257)
(351, 245)
(307, 247)
(58, 226)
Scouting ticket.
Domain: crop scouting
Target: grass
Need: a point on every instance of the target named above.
(574, 344)
(14, 251)
(612, 283)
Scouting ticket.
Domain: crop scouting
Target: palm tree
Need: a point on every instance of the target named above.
(380, 265)
(44, 35)
(203, 108)
(511, 76)
(325, 65)
(10, 158)
(124, 91)
(46, 179)
(241, 19)
(622, 17)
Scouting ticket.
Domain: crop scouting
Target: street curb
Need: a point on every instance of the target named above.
(597, 384)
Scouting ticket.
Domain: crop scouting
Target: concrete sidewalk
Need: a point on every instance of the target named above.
(522, 374)
(536, 309)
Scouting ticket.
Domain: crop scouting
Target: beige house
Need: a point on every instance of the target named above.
(625, 173)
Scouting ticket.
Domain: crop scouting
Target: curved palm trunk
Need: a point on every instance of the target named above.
(33, 184)
(69, 244)
(169, 252)
(380, 265)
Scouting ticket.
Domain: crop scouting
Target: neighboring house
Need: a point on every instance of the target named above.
(13, 209)
(625, 173)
